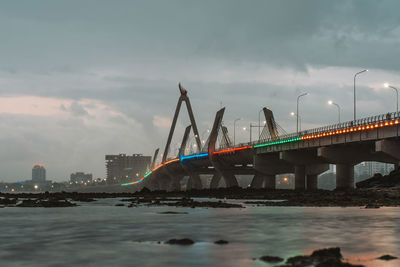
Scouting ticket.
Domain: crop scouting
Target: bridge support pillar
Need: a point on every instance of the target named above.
(215, 180)
(194, 182)
(344, 176)
(257, 181)
(299, 177)
(312, 181)
(269, 182)
(230, 179)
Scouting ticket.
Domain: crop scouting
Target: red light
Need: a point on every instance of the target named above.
(231, 150)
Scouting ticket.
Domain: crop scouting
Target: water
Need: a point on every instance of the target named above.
(100, 234)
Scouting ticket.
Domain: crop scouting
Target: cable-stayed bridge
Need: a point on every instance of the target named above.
(306, 154)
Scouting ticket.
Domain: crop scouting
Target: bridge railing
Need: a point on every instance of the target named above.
(333, 127)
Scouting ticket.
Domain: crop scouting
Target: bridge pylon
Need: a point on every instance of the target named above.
(183, 98)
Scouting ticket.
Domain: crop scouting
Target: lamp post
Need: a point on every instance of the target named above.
(234, 131)
(355, 91)
(330, 102)
(297, 112)
(397, 97)
(297, 117)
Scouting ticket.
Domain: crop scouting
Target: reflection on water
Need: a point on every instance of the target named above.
(99, 234)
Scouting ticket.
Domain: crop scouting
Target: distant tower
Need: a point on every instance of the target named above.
(38, 173)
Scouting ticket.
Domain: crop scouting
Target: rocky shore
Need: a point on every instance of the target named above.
(369, 198)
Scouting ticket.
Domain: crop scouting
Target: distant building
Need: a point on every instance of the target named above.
(369, 168)
(80, 177)
(38, 173)
(122, 168)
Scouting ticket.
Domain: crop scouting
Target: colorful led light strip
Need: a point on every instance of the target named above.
(365, 127)
(279, 142)
(195, 156)
(232, 150)
(150, 172)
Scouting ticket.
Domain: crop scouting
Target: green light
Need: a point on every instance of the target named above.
(279, 142)
(126, 184)
(147, 174)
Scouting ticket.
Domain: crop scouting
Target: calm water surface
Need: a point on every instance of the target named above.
(100, 234)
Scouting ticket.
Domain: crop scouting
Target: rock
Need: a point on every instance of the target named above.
(172, 212)
(83, 199)
(49, 203)
(221, 242)
(328, 257)
(372, 206)
(299, 261)
(387, 257)
(327, 253)
(271, 259)
(119, 205)
(145, 190)
(8, 201)
(183, 241)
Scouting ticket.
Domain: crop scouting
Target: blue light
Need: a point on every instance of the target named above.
(20, 182)
(195, 156)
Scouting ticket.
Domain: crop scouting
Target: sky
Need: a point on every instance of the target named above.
(80, 79)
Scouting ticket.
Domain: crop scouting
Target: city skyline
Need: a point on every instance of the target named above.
(72, 92)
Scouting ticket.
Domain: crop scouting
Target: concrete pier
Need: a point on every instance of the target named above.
(269, 181)
(299, 177)
(312, 181)
(344, 176)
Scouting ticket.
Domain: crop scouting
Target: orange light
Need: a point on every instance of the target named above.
(367, 127)
(396, 121)
(363, 128)
(386, 123)
(170, 161)
(231, 150)
(391, 123)
(359, 128)
(381, 124)
(324, 134)
(351, 129)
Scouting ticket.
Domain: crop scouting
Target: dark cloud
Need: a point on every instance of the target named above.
(130, 55)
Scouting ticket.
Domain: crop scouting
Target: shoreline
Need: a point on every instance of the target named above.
(370, 198)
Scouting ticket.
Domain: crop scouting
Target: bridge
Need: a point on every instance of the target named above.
(306, 154)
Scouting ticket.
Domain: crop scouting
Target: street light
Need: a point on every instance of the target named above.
(330, 102)
(397, 97)
(234, 130)
(355, 91)
(297, 121)
(297, 117)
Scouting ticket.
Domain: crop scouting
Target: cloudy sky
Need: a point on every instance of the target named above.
(81, 79)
